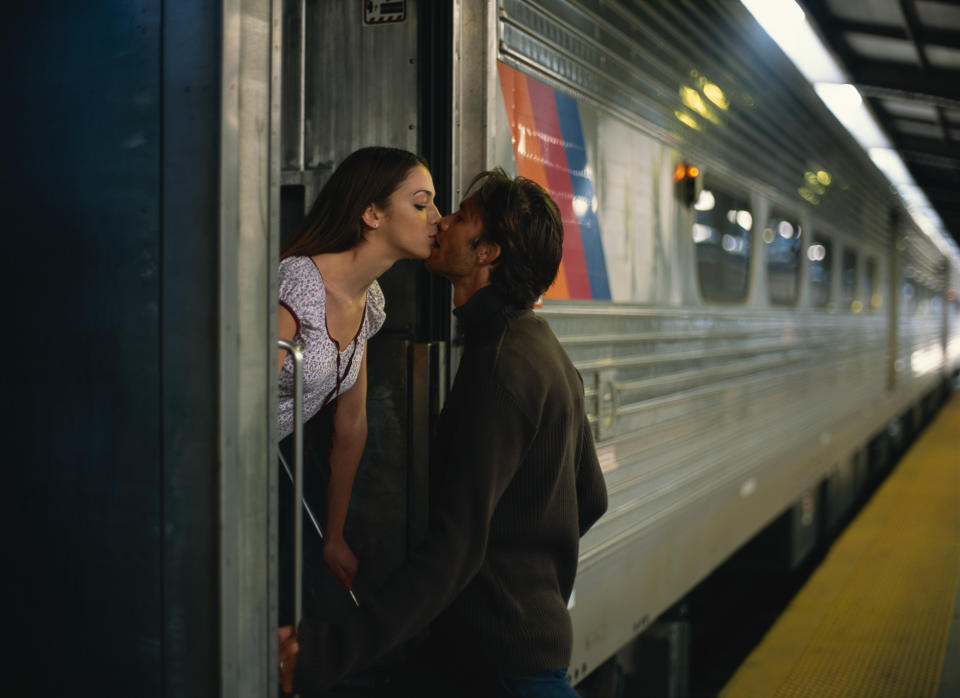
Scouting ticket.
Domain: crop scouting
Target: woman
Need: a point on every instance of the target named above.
(376, 208)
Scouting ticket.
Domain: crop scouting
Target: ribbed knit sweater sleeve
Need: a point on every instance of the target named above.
(462, 504)
(591, 487)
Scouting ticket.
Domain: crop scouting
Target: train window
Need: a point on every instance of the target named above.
(871, 292)
(820, 254)
(936, 303)
(721, 233)
(781, 237)
(909, 299)
(848, 280)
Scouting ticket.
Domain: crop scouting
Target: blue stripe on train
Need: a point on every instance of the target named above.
(569, 116)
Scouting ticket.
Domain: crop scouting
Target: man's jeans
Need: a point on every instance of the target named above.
(548, 684)
(440, 684)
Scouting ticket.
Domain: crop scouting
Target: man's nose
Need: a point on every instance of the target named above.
(444, 222)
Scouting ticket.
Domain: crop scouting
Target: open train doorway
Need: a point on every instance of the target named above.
(355, 75)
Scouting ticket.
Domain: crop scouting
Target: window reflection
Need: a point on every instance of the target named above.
(871, 289)
(820, 254)
(782, 237)
(721, 233)
(848, 279)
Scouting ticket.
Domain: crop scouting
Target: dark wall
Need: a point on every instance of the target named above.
(110, 278)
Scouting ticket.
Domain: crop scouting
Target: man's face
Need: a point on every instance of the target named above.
(455, 254)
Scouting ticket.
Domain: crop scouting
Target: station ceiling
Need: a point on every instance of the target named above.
(904, 57)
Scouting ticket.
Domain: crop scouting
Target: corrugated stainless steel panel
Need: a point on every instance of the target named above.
(370, 99)
(332, 106)
(649, 64)
(703, 401)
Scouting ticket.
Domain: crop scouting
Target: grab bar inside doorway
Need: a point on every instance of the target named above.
(296, 477)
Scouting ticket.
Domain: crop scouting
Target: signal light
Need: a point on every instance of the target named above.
(687, 182)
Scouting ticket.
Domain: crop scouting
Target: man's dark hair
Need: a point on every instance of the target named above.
(519, 215)
(366, 176)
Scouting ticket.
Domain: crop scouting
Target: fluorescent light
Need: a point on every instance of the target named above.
(888, 161)
(786, 23)
(845, 102)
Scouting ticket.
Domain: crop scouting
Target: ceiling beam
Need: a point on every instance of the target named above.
(925, 34)
(914, 27)
(935, 83)
(943, 150)
(879, 92)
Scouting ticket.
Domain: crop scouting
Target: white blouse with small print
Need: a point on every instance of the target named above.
(327, 371)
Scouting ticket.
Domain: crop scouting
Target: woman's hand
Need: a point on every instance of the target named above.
(340, 560)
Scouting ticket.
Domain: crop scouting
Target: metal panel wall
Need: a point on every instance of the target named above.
(248, 242)
(346, 85)
(188, 270)
(81, 411)
(112, 211)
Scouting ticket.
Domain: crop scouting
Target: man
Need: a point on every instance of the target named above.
(514, 480)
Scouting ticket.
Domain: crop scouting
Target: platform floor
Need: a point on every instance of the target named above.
(879, 616)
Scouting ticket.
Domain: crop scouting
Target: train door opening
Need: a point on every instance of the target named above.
(355, 75)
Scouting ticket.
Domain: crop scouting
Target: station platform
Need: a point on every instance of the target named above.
(879, 617)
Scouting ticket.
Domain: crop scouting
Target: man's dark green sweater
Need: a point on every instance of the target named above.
(514, 484)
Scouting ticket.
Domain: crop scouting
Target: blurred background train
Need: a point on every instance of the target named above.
(754, 312)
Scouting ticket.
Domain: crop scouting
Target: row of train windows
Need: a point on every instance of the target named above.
(721, 233)
(919, 300)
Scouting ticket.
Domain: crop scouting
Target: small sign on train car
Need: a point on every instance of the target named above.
(384, 12)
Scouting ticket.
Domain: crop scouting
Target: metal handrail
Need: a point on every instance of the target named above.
(296, 477)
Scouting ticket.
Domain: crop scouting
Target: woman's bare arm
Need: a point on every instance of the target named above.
(349, 439)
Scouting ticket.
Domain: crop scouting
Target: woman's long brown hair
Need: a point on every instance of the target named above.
(334, 224)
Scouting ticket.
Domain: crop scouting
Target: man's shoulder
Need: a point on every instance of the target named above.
(525, 334)
(530, 358)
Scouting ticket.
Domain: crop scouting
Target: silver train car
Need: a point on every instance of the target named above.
(747, 301)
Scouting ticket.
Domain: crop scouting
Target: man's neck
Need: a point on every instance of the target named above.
(463, 289)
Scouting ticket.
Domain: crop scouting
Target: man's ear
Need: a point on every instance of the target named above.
(372, 216)
(488, 252)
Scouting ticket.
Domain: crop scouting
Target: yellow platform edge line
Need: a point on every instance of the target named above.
(874, 619)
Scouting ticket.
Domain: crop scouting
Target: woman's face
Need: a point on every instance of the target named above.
(410, 222)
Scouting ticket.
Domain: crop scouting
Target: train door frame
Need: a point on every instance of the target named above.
(248, 241)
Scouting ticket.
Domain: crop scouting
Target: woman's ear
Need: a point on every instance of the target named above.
(488, 252)
(372, 216)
